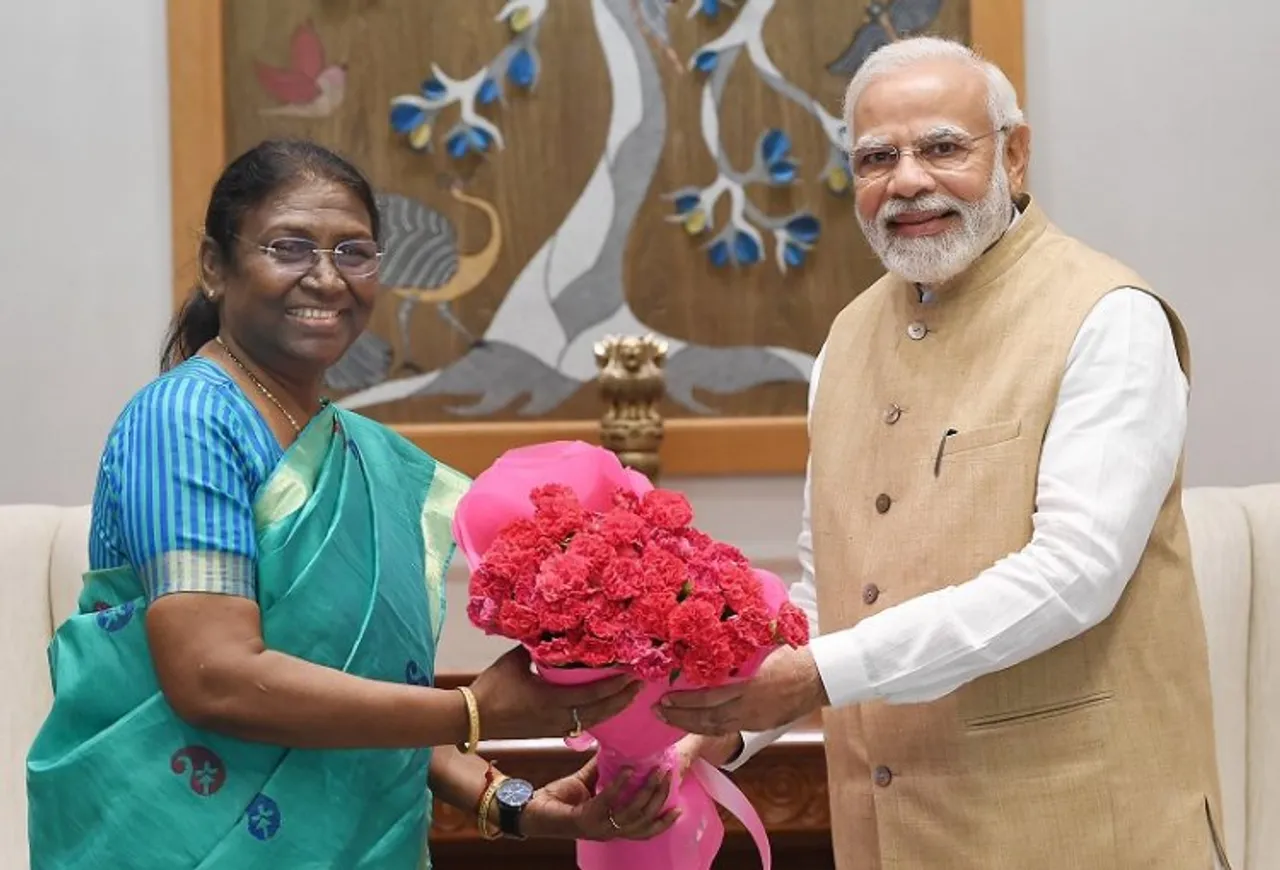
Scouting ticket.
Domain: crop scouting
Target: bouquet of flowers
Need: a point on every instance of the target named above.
(597, 572)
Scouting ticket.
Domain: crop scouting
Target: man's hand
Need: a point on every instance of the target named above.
(787, 687)
(716, 751)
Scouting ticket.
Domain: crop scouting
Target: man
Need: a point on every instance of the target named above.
(1012, 657)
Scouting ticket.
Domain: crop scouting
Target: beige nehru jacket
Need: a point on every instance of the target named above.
(1097, 754)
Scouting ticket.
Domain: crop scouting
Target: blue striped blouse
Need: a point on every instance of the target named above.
(175, 491)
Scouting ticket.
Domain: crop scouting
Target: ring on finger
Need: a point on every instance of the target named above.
(613, 821)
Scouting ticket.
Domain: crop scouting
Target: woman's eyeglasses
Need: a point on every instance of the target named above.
(355, 258)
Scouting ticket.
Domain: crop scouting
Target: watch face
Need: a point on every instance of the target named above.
(514, 792)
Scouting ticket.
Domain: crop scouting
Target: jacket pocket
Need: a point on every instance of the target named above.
(1039, 712)
(983, 436)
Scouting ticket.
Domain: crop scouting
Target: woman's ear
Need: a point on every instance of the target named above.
(209, 269)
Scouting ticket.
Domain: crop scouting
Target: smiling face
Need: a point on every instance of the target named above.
(294, 320)
(948, 196)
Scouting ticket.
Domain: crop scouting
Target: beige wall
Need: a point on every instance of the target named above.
(1151, 120)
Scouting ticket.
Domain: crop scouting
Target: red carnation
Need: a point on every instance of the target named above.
(710, 661)
(563, 576)
(793, 625)
(594, 652)
(519, 622)
(593, 547)
(512, 560)
(605, 619)
(693, 620)
(625, 499)
(557, 512)
(555, 653)
(666, 509)
(661, 570)
(654, 663)
(483, 613)
(741, 589)
(652, 611)
(621, 528)
(623, 578)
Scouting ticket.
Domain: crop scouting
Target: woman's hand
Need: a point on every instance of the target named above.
(515, 703)
(569, 809)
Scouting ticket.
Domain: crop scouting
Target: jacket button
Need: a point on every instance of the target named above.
(916, 330)
(870, 593)
(892, 414)
(882, 503)
(883, 776)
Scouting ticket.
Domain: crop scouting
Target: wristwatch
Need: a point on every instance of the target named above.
(513, 796)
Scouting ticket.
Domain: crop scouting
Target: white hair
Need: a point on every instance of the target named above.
(1002, 99)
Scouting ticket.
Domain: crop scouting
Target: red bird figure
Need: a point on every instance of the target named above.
(307, 88)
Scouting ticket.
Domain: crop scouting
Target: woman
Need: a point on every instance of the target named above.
(247, 682)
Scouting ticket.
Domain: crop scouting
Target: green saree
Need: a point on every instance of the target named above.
(354, 534)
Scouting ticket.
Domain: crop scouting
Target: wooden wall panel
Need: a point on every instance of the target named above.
(759, 430)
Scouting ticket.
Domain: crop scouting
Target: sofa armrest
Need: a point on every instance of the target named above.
(26, 542)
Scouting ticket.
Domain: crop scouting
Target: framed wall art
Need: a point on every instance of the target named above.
(551, 172)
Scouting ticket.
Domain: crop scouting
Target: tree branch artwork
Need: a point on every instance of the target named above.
(740, 241)
(796, 233)
(536, 348)
(414, 115)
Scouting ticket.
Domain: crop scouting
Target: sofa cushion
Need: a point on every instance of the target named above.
(1220, 547)
(1262, 504)
(68, 561)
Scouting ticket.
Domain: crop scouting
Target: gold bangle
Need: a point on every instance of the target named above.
(482, 812)
(473, 723)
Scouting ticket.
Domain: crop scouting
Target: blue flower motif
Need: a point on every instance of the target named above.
(706, 61)
(523, 69)
(687, 203)
(745, 249)
(775, 152)
(804, 228)
(718, 253)
(263, 817)
(488, 92)
(405, 117)
(793, 255)
(733, 246)
(775, 145)
(112, 619)
(413, 122)
(434, 89)
(414, 675)
(468, 139)
(782, 172)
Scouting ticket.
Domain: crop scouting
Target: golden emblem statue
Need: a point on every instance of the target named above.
(632, 383)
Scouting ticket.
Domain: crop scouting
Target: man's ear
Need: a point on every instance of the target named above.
(1017, 155)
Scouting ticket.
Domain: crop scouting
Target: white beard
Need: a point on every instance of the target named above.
(935, 259)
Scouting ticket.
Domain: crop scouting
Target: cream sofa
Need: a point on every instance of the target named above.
(1236, 539)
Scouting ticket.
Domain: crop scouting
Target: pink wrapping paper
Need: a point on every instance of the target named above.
(634, 738)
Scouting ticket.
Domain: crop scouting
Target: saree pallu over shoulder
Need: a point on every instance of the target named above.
(354, 541)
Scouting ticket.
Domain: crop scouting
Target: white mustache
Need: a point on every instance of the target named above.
(926, 202)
